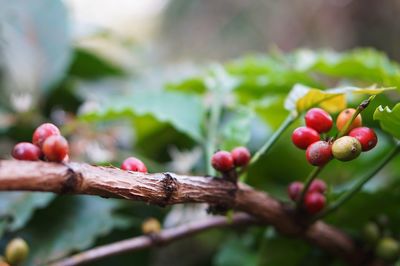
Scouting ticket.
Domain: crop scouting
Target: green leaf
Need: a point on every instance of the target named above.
(264, 75)
(36, 41)
(189, 85)
(389, 119)
(20, 206)
(236, 132)
(235, 252)
(360, 64)
(87, 65)
(380, 202)
(277, 251)
(71, 224)
(185, 112)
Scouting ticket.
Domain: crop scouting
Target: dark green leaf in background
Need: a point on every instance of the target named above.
(41, 43)
(71, 223)
(20, 206)
(236, 132)
(183, 111)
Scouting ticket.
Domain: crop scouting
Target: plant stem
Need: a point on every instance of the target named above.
(361, 107)
(313, 174)
(358, 186)
(215, 114)
(272, 140)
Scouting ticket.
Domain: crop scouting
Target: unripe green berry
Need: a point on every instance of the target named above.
(387, 249)
(151, 226)
(346, 148)
(16, 251)
(371, 232)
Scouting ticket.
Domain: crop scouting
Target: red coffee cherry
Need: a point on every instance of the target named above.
(222, 161)
(366, 136)
(317, 185)
(133, 164)
(319, 120)
(241, 156)
(294, 190)
(43, 132)
(26, 151)
(314, 202)
(345, 116)
(302, 137)
(55, 148)
(319, 153)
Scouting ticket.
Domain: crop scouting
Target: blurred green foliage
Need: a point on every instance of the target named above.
(252, 92)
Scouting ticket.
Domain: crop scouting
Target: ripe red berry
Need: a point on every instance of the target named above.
(222, 161)
(319, 120)
(319, 153)
(133, 164)
(366, 136)
(241, 156)
(302, 137)
(314, 202)
(26, 151)
(294, 190)
(55, 148)
(43, 132)
(317, 185)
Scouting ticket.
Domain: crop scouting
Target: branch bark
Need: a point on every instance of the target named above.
(167, 189)
(146, 241)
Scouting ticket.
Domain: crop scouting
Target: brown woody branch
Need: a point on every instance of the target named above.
(168, 189)
(146, 241)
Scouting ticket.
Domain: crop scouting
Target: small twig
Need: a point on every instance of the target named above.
(358, 186)
(146, 241)
(272, 140)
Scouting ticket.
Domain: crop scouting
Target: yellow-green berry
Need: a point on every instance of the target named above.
(387, 249)
(16, 251)
(346, 148)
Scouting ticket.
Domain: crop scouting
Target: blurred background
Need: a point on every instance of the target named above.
(60, 59)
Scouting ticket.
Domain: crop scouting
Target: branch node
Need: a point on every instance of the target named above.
(169, 187)
(73, 180)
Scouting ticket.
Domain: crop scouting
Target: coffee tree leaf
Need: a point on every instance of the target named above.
(185, 112)
(389, 119)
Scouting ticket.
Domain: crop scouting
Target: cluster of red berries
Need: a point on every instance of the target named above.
(224, 161)
(346, 148)
(133, 164)
(47, 144)
(314, 200)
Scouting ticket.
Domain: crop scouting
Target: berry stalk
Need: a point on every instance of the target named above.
(215, 115)
(307, 184)
(272, 140)
(361, 182)
(361, 107)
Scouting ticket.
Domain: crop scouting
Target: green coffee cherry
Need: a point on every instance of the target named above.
(346, 148)
(16, 251)
(371, 233)
(151, 226)
(387, 249)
